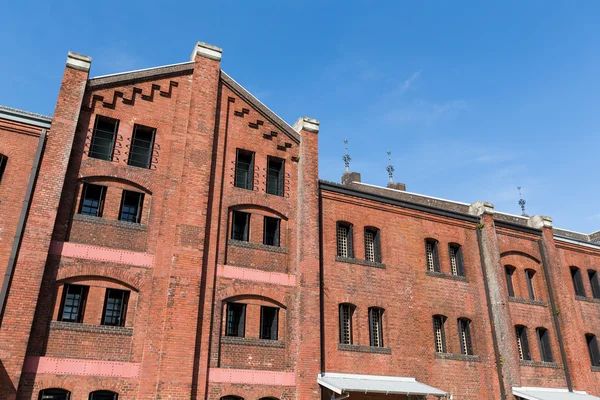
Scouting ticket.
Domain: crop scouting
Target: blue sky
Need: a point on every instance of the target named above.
(473, 98)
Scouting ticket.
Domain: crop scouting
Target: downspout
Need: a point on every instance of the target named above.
(561, 345)
(14, 253)
(321, 288)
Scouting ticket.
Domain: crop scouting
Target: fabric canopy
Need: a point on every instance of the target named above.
(344, 383)
(529, 393)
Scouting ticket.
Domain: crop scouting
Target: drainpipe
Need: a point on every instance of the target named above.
(14, 253)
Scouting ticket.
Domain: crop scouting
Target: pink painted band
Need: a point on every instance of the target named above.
(89, 252)
(249, 274)
(247, 376)
(70, 366)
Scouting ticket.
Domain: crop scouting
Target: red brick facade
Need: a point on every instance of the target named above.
(209, 305)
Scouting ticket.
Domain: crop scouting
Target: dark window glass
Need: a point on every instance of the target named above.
(142, 144)
(592, 344)
(271, 231)
(593, 275)
(544, 344)
(439, 334)
(240, 227)
(344, 240)
(54, 394)
(73, 303)
(346, 311)
(92, 200)
(464, 332)
(456, 259)
(244, 169)
(269, 324)
(115, 307)
(509, 271)
(103, 138)
(131, 206)
(236, 319)
(529, 273)
(522, 342)
(103, 395)
(577, 281)
(431, 254)
(275, 174)
(375, 326)
(3, 162)
(372, 245)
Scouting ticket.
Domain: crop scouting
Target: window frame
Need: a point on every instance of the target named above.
(379, 323)
(466, 342)
(103, 395)
(80, 306)
(280, 179)
(123, 308)
(249, 181)
(436, 266)
(273, 332)
(101, 200)
(64, 392)
(277, 233)
(594, 283)
(349, 239)
(241, 323)
(522, 343)
(342, 323)
(543, 336)
(509, 272)
(577, 280)
(529, 274)
(376, 233)
(246, 233)
(458, 259)
(441, 319)
(111, 151)
(152, 141)
(139, 207)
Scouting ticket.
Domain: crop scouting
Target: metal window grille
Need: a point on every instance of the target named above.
(142, 145)
(73, 303)
(275, 176)
(103, 395)
(519, 343)
(271, 231)
(131, 207)
(235, 322)
(269, 324)
(433, 264)
(375, 324)
(465, 337)
(3, 162)
(92, 200)
(240, 226)
(370, 245)
(345, 324)
(342, 241)
(438, 330)
(244, 169)
(453, 263)
(115, 307)
(103, 138)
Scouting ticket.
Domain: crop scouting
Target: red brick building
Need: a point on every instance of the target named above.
(165, 235)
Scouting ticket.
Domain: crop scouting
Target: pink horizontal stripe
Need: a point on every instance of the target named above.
(70, 366)
(89, 252)
(256, 275)
(248, 376)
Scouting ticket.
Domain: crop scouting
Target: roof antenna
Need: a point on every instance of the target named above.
(347, 157)
(390, 167)
(522, 203)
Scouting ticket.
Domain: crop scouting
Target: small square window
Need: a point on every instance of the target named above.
(92, 200)
(142, 145)
(244, 169)
(240, 227)
(73, 303)
(269, 317)
(271, 231)
(115, 307)
(275, 176)
(236, 320)
(103, 138)
(131, 207)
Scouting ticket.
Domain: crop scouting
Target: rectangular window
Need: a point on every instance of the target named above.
(376, 331)
(372, 245)
(3, 162)
(464, 330)
(344, 240)
(131, 207)
(73, 303)
(431, 254)
(92, 200)
(508, 272)
(544, 344)
(522, 343)
(269, 323)
(438, 333)
(577, 281)
(456, 260)
(103, 138)
(593, 275)
(345, 324)
(236, 319)
(244, 169)
(529, 278)
(271, 231)
(240, 227)
(115, 307)
(142, 145)
(592, 343)
(275, 175)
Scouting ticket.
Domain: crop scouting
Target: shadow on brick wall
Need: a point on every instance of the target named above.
(7, 390)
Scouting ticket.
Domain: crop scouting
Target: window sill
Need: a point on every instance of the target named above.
(364, 349)
(359, 262)
(527, 301)
(90, 328)
(458, 278)
(457, 357)
(587, 299)
(242, 341)
(110, 222)
(256, 246)
(540, 364)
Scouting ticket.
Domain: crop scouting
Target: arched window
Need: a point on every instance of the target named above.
(103, 395)
(593, 275)
(372, 245)
(544, 344)
(54, 394)
(577, 281)
(529, 273)
(509, 270)
(232, 398)
(376, 326)
(522, 342)
(345, 246)
(464, 332)
(3, 161)
(456, 259)
(431, 255)
(346, 311)
(592, 344)
(438, 333)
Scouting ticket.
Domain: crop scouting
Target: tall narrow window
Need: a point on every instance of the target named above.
(103, 138)
(456, 259)
(544, 344)
(464, 331)
(103, 395)
(508, 272)
(73, 303)
(438, 333)
(131, 206)
(577, 281)
(372, 245)
(54, 394)
(592, 344)
(236, 320)
(115, 307)
(275, 175)
(522, 342)
(529, 273)
(3, 162)
(271, 231)
(142, 145)
(593, 275)
(375, 326)
(431, 255)
(92, 200)
(244, 169)
(346, 311)
(269, 323)
(240, 227)
(344, 240)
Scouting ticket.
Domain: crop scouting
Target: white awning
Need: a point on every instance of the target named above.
(344, 383)
(531, 393)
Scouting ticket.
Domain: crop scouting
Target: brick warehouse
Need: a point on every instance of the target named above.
(165, 235)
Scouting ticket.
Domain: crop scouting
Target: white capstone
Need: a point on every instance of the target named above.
(481, 207)
(539, 222)
(207, 50)
(306, 124)
(79, 61)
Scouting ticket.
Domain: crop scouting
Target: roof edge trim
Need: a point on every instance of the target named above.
(25, 117)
